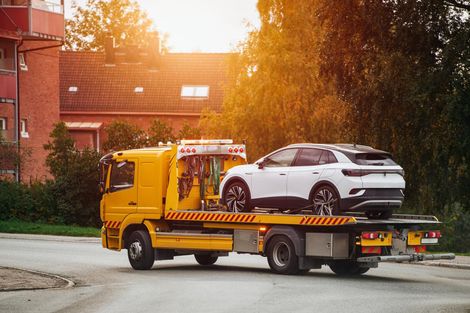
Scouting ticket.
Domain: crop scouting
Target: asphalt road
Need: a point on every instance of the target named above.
(239, 283)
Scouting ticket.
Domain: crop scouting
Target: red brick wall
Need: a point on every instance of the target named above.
(143, 121)
(39, 105)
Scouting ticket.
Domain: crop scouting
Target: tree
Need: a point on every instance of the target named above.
(92, 23)
(189, 132)
(159, 132)
(123, 136)
(75, 186)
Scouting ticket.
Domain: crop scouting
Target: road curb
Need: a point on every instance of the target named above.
(50, 238)
(447, 264)
(69, 283)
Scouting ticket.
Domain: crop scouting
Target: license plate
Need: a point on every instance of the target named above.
(428, 240)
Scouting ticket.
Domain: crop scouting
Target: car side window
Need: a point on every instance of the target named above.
(308, 157)
(327, 157)
(122, 175)
(281, 159)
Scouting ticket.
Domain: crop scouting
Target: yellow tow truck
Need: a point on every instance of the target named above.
(162, 202)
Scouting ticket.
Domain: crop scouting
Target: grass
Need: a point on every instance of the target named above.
(21, 227)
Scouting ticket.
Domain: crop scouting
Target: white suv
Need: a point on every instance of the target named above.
(329, 179)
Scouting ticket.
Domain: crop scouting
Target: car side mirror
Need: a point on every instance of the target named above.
(261, 165)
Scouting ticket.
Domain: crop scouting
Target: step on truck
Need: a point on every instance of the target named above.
(163, 202)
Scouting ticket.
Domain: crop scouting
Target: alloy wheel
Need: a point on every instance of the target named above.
(324, 202)
(236, 198)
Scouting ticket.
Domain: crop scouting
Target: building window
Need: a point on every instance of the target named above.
(73, 89)
(22, 61)
(195, 92)
(24, 129)
(139, 89)
(3, 123)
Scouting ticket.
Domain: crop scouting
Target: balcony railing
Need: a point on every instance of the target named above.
(34, 18)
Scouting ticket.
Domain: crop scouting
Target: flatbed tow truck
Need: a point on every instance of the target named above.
(159, 203)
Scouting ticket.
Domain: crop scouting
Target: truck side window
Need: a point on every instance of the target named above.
(122, 176)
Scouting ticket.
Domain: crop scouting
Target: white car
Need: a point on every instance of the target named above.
(328, 178)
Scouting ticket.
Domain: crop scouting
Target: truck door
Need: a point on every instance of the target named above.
(122, 191)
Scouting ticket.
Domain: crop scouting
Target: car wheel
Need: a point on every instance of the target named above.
(325, 201)
(237, 197)
(376, 215)
(140, 251)
(281, 256)
(347, 268)
(205, 259)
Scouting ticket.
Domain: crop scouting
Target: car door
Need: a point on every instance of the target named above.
(303, 175)
(121, 194)
(269, 183)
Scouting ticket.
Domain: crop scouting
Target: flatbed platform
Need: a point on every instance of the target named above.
(273, 216)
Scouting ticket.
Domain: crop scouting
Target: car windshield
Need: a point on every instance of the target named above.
(374, 159)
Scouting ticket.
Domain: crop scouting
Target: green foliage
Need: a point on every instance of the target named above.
(22, 227)
(75, 188)
(123, 19)
(189, 132)
(159, 132)
(123, 136)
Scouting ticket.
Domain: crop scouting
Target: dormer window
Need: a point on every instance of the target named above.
(195, 92)
(139, 89)
(73, 89)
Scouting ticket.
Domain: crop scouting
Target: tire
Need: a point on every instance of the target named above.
(379, 215)
(281, 256)
(140, 251)
(237, 197)
(325, 200)
(347, 268)
(205, 259)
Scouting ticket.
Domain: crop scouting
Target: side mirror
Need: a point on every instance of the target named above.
(261, 165)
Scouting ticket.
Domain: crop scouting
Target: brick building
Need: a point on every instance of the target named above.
(137, 85)
(31, 32)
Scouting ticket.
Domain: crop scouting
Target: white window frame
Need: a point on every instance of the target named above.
(73, 89)
(3, 124)
(139, 89)
(193, 91)
(22, 62)
(24, 128)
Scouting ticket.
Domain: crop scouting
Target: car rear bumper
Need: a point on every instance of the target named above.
(374, 199)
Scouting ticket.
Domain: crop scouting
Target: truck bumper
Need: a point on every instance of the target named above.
(416, 257)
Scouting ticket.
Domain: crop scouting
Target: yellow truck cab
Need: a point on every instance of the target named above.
(162, 202)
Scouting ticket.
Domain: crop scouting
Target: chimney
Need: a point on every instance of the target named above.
(109, 49)
(154, 50)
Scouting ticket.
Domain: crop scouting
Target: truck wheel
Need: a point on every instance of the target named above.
(281, 256)
(140, 251)
(347, 268)
(237, 197)
(205, 259)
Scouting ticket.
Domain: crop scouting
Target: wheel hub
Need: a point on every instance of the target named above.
(281, 254)
(135, 250)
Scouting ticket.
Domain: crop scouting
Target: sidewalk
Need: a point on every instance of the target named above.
(461, 262)
(13, 279)
(50, 238)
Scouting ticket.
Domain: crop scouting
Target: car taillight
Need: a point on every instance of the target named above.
(355, 173)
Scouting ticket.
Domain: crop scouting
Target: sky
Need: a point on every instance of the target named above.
(198, 25)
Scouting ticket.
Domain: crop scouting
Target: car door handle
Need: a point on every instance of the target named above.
(132, 203)
(283, 174)
(315, 173)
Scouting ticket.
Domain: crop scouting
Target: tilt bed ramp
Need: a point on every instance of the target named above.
(162, 202)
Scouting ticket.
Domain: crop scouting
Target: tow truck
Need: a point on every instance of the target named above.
(163, 202)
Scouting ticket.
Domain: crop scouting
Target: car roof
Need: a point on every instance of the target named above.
(346, 148)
